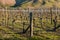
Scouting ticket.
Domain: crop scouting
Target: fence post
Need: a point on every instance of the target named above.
(51, 15)
(31, 24)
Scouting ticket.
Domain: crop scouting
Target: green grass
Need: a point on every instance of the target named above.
(39, 33)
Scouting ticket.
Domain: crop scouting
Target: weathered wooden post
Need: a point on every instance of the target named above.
(31, 24)
(51, 15)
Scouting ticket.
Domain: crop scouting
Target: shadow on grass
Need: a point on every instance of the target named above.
(54, 29)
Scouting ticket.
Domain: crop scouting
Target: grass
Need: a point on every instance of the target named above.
(39, 32)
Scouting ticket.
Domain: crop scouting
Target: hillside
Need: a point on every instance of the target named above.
(32, 3)
(42, 3)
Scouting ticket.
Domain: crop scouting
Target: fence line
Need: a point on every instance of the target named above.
(10, 16)
(31, 10)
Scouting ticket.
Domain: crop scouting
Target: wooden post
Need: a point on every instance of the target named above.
(51, 15)
(31, 24)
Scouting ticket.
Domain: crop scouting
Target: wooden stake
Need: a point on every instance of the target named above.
(51, 15)
(31, 24)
